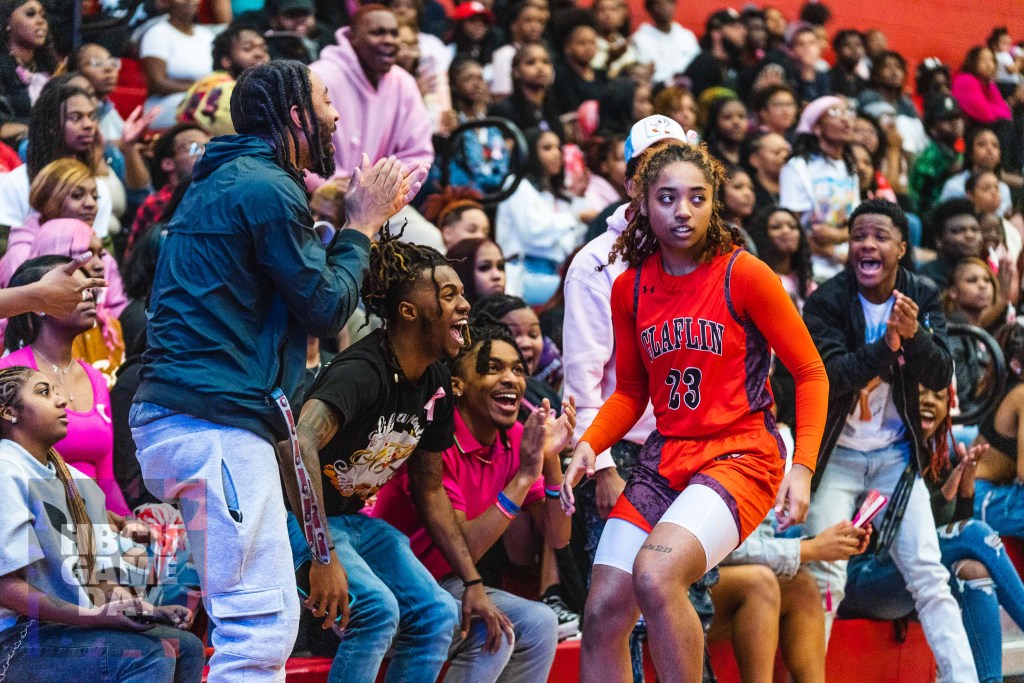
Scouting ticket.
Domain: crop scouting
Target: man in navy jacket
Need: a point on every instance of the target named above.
(242, 279)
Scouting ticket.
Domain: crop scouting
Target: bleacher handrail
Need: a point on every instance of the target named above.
(997, 370)
(517, 163)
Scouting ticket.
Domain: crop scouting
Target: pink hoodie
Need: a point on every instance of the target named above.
(390, 119)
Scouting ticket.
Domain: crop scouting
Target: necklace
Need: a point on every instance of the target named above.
(61, 373)
(392, 357)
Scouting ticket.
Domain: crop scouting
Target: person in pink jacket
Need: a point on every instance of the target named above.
(380, 106)
(975, 89)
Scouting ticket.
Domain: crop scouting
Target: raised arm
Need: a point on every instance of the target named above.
(848, 371)
(765, 302)
(762, 299)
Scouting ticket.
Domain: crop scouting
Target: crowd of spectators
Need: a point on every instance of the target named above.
(846, 167)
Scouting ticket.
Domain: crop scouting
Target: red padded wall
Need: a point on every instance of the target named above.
(916, 28)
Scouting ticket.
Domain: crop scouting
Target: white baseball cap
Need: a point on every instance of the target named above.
(649, 130)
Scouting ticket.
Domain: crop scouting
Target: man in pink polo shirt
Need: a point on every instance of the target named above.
(497, 469)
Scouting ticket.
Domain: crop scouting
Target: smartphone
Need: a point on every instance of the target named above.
(872, 505)
(302, 585)
(152, 618)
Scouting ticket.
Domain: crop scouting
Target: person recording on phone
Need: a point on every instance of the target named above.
(290, 28)
(880, 332)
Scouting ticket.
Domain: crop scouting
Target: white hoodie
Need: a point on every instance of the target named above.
(588, 338)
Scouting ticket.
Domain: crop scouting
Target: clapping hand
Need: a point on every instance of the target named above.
(378, 192)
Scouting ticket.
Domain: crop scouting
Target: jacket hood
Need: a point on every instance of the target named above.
(618, 221)
(225, 148)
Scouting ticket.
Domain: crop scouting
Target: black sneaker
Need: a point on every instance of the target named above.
(568, 621)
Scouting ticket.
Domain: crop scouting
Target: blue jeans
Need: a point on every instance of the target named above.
(1001, 506)
(393, 600)
(876, 590)
(59, 653)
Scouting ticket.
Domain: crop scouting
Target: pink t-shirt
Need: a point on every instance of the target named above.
(471, 483)
(89, 445)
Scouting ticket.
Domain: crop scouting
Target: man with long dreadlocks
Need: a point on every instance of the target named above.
(386, 401)
(243, 278)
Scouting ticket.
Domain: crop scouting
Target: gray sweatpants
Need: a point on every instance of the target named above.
(228, 485)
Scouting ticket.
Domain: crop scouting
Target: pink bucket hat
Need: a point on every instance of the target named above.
(814, 110)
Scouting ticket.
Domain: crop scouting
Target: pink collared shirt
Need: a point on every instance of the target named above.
(473, 476)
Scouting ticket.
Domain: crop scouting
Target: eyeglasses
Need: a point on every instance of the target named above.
(196, 150)
(841, 112)
(109, 62)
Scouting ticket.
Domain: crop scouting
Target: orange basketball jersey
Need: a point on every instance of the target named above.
(696, 345)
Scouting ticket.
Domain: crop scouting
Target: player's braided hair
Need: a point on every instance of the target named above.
(394, 268)
(637, 241)
(261, 103)
(12, 380)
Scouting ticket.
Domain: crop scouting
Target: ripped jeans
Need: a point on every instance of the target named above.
(876, 590)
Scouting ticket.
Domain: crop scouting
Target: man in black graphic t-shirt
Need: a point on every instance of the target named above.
(384, 403)
(384, 421)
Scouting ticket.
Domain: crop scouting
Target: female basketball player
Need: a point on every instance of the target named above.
(696, 319)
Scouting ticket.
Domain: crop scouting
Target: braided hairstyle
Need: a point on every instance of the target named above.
(46, 139)
(261, 103)
(637, 241)
(938, 443)
(12, 381)
(394, 268)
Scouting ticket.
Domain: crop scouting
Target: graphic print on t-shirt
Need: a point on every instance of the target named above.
(394, 440)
